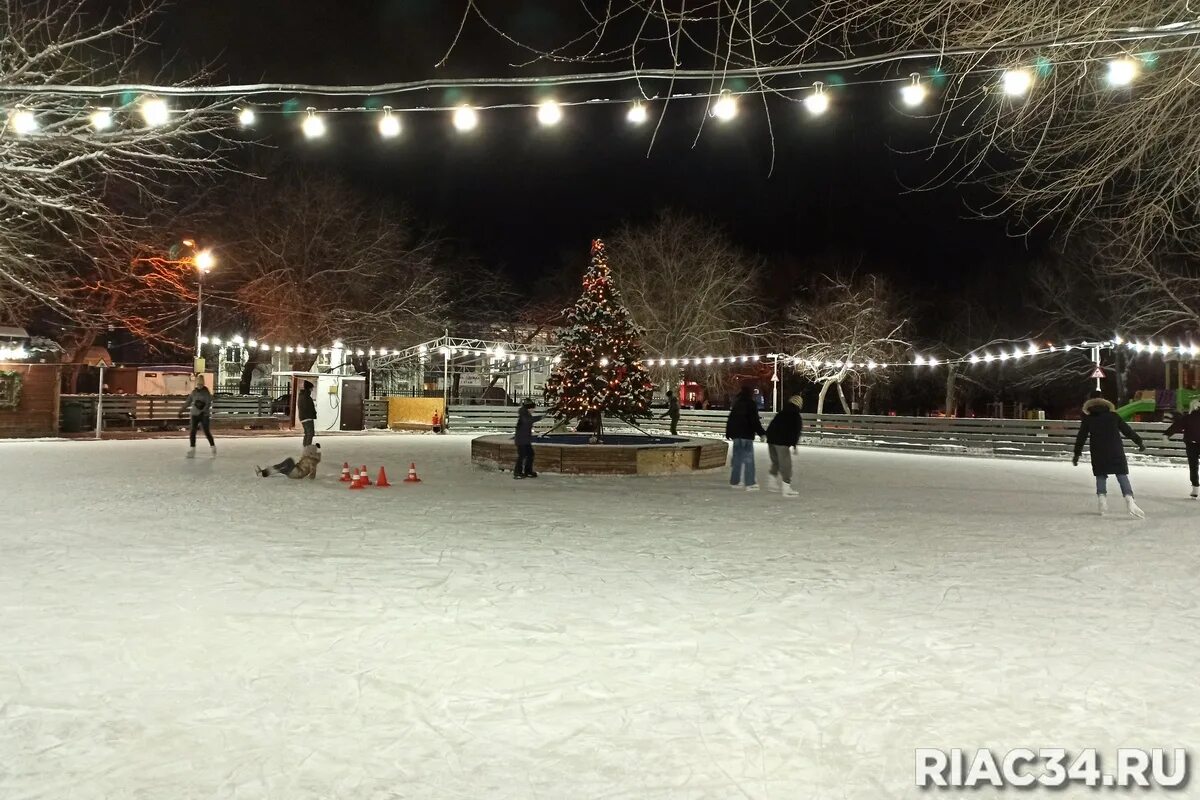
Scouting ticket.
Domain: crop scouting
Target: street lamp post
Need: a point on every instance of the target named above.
(203, 261)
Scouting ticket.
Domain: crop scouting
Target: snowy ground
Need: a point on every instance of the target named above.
(177, 630)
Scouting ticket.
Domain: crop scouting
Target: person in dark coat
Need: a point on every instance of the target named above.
(1189, 426)
(1104, 428)
(673, 411)
(741, 427)
(307, 412)
(524, 441)
(199, 406)
(783, 434)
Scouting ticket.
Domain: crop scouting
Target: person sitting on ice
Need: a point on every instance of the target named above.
(1189, 426)
(523, 438)
(306, 467)
(1104, 427)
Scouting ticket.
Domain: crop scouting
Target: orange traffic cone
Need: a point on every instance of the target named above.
(382, 481)
(345, 472)
(364, 477)
(357, 483)
(412, 474)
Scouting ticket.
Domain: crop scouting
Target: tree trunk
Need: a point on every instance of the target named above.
(455, 384)
(842, 397)
(951, 405)
(821, 397)
(866, 409)
(248, 372)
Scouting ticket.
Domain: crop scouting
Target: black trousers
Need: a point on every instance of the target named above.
(524, 460)
(284, 467)
(197, 423)
(674, 426)
(310, 430)
(1193, 456)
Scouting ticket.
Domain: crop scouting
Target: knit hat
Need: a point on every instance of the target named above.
(796, 400)
(308, 385)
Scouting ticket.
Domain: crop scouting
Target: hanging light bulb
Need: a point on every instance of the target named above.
(23, 121)
(1122, 71)
(155, 112)
(637, 113)
(389, 124)
(1016, 82)
(725, 108)
(549, 113)
(246, 117)
(101, 119)
(314, 126)
(465, 118)
(817, 103)
(913, 93)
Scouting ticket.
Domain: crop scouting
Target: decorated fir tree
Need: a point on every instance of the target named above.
(600, 369)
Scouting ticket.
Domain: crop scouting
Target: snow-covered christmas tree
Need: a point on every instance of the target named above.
(600, 369)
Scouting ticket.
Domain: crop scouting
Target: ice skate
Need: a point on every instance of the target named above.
(260, 472)
(752, 487)
(518, 476)
(213, 451)
(1134, 511)
(1195, 491)
(1102, 502)
(788, 491)
(773, 483)
(191, 452)
(530, 474)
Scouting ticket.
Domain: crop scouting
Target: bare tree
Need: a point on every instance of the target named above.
(69, 166)
(1067, 136)
(689, 289)
(312, 262)
(845, 327)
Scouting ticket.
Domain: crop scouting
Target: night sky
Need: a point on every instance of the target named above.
(526, 198)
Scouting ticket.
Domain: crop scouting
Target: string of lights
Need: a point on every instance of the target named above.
(501, 354)
(149, 102)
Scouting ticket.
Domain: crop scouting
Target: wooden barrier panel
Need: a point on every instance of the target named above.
(965, 436)
(135, 410)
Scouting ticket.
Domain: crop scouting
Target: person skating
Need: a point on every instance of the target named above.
(1102, 425)
(741, 427)
(673, 411)
(1189, 426)
(306, 467)
(524, 441)
(307, 412)
(199, 405)
(783, 434)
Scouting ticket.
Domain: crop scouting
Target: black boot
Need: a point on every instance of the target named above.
(517, 476)
(531, 474)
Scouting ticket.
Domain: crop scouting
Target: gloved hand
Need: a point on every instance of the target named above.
(1141, 448)
(1075, 461)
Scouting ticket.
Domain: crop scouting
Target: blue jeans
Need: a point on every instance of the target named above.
(1123, 480)
(743, 458)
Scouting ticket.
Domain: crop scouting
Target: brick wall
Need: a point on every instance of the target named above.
(37, 414)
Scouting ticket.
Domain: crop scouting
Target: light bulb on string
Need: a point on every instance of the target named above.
(637, 113)
(1016, 82)
(465, 119)
(913, 93)
(101, 119)
(726, 107)
(389, 124)
(22, 121)
(155, 112)
(246, 117)
(817, 102)
(314, 126)
(1122, 71)
(549, 113)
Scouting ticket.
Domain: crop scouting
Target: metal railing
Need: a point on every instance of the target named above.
(973, 436)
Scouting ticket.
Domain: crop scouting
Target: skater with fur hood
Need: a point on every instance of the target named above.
(1103, 427)
(306, 467)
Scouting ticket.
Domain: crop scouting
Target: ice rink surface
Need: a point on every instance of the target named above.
(179, 629)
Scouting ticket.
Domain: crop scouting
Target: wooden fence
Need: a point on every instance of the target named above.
(136, 411)
(375, 413)
(974, 436)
